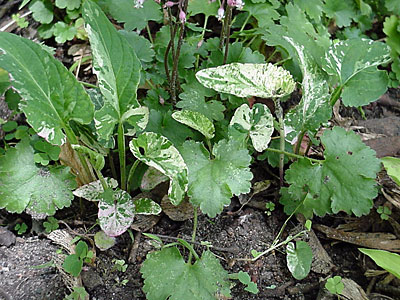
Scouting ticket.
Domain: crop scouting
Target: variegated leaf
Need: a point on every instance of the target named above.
(151, 178)
(146, 206)
(314, 107)
(246, 80)
(195, 120)
(116, 214)
(258, 121)
(158, 152)
(93, 191)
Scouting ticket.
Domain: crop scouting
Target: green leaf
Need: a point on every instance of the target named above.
(393, 6)
(42, 11)
(95, 158)
(141, 46)
(246, 80)
(314, 107)
(201, 281)
(298, 259)
(24, 186)
(354, 63)
(158, 152)
(63, 32)
(203, 7)
(392, 166)
(145, 206)
(93, 191)
(68, 4)
(103, 241)
(244, 277)
(344, 181)
(73, 265)
(117, 69)
(116, 211)
(52, 95)
(196, 121)
(135, 18)
(258, 121)
(81, 249)
(390, 28)
(264, 13)
(313, 8)
(334, 285)
(342, 11)
(385, 259)
(151, 178)
(213, 181)
(4, 81)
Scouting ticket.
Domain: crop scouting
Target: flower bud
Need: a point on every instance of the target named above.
(182, 16)
(221, 13)
(169, 4)
(139, 3)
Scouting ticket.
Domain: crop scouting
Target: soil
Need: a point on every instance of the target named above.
(233, 234)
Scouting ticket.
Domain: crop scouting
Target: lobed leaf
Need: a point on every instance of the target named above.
(246, 80)
(116, 66)
(51, 94)
(158, 152)
(258, 121)
(344, 181)
(196, 121)
(213, 181)
(354, 64)
(25, 187)
(203, 280)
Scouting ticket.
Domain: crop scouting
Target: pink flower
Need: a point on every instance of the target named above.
(221, 13)
(169, 4)
(182, 16)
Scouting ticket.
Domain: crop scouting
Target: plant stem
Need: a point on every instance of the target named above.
(122, 157)
(294, 155)
(299, 140)
(73, 140)
(335, 96)
(89, 84)
(279, 114)
(271, 56)
(202, 37)
(149, 33)
(194, 232)
(130, 175)
(228, 19)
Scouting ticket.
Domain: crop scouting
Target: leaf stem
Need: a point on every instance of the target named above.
(149, 33)
(228, 19)
(122, 155)
(130, 175)
(279, 114)
(294, 155)
(89, 84)
(335, 96)
(202, 37)
(299, 140)
(194, 232)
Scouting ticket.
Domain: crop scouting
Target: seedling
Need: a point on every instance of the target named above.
(270, 206)
(335, 285)
(384, 212)
(21, 228)
(73, 263)
(78, 293)
(119, 265)
(51, 224)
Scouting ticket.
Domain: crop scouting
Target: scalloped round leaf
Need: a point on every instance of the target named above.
(146, 206)
(344, 181)
(103, 241)
(298, 260)
(195, 120)
(25, 186)
(199, 281)
(116, 216)
(93, 191)
(392, 166)
(246, 80)
(151, 178)
(258, 121)
(158, 152)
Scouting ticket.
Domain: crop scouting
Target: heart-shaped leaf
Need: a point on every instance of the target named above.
(116, 212)
(103, 241)
(299, 259)
(158, 152)
(246, 80)
(258, 121)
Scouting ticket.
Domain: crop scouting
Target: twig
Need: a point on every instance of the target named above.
(228, 20)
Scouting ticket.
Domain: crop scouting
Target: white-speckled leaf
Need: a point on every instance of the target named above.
(93, 191)
(258, 121)
(158, 152)
(146, 206)
(151, 178)
(136, 117)
(354, 63)
(314, 107)
(116, 66)
(40, 191)
(246, 80)
(116, 216)
(51, 94)
(195, 120)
